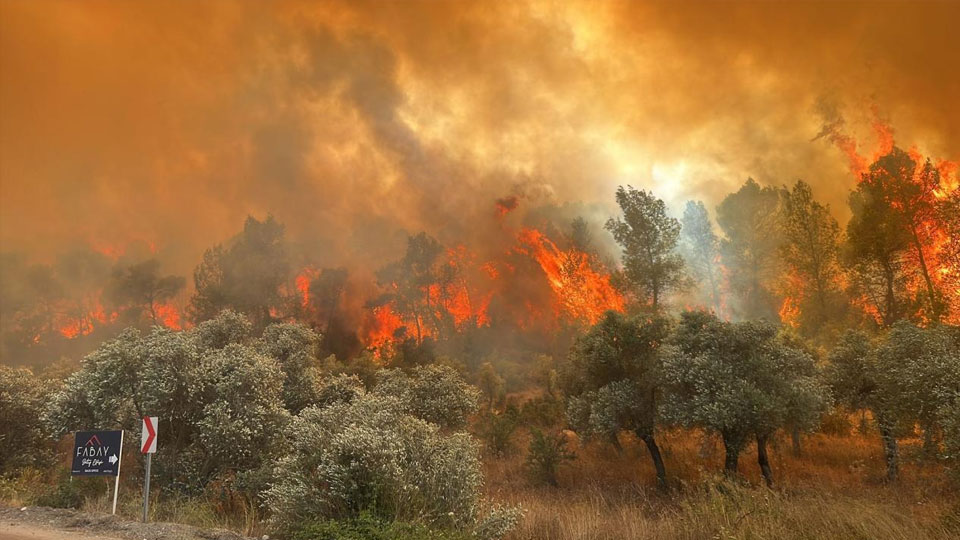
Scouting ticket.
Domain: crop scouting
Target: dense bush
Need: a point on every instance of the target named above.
(497, 430)
(435, 393)
(370, 455)
(543, 411)
(24, 438)
(547, 453)
(218, 396)
(293, 346)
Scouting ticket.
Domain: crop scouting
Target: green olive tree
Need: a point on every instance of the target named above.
(612, 380)
(741, 380)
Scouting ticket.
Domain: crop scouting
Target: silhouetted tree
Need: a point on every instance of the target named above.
(245, 276)
(748, 219)
(894, 210)
(409, 279)
(810, 251)
(141, 287)
(648, 238)
(701, 248)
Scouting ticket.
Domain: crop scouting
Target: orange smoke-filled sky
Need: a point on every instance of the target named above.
(355, 123)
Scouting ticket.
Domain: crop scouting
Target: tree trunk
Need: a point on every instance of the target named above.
(890, 452)
(795, 437)
(615, 441)
(763, 460)
(657, 460)
(934, 308)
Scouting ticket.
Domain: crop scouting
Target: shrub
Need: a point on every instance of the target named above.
(220, 402)
(293, 346)
(339, 389)
(434, 393)
(542, 411)
(24, 439)
(491, 384)
(70, 494)
(369, 455)
(547, 453)
(497, 430)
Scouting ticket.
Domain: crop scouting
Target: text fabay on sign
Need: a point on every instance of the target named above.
(96, 453)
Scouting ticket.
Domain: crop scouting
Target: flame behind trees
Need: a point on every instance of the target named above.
(892, 239)
(247, 276)
(142, 288)
(810, 252)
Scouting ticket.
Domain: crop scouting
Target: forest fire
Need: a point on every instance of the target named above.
(463, 291)
(916, 193)
(581, 292)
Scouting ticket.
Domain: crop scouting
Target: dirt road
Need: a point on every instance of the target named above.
(39, 523)
(16, 531)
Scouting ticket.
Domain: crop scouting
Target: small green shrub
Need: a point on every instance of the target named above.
(543, 411)
(836, 422)
(70, 494)
(497, 431)
(547, 453)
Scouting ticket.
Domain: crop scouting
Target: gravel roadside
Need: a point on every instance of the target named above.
(40, 523)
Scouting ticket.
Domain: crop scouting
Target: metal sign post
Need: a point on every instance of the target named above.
(148, 446)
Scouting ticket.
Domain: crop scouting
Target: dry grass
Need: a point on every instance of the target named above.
(834, 490)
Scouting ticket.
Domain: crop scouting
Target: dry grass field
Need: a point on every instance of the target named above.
(833, 490)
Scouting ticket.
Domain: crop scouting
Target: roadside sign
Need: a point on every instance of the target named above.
(148, 446)
(97, 453)
(148, 436)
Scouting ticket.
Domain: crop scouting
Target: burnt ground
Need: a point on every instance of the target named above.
(40, 523)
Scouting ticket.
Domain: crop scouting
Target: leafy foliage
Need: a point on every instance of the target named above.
(740, 380)
(701, 250)
(811, 253)
(648, 238)
(547, 453)
(435, 393)
(749, 220)
(24, 439)
(219, 398)
(369, 455)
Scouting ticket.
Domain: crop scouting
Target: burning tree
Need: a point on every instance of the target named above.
(891, 239)
(141, 289)
(810, 252)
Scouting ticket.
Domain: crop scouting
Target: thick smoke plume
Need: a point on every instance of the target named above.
(152, 129)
